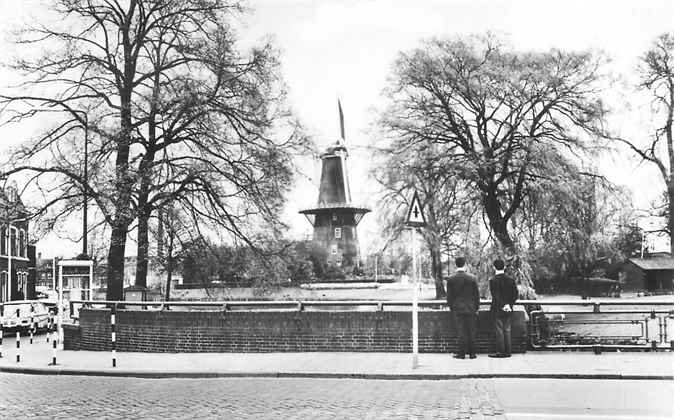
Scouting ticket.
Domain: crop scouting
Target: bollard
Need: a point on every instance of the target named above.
(32, 323)
(50, 322)
(113, 335)
(654, 345)
(18, 347)
(2, 314)
(597, 349)
(53, 352)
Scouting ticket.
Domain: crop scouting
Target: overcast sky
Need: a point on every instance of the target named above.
(345, 48)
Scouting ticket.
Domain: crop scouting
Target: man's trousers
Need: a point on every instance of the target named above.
(466, 326)
(502, 326)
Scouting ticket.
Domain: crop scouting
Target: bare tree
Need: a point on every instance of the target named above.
(493, 113)
(162, 85)
(173, 236)
(442, 195)
(210, 142)
(657, 77)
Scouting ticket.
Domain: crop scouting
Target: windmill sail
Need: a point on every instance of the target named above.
(341, 119)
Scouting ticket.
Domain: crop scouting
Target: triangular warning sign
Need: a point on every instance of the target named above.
(415, 214)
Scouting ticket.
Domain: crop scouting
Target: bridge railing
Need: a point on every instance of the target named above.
(595, 305)
(553, 324)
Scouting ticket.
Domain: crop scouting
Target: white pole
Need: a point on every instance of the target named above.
(90, 296)
(375, 268)
(9, 260)
(53, 274)
(60, 313)
(415, 308)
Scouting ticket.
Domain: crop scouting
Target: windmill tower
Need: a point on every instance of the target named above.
(335, 217)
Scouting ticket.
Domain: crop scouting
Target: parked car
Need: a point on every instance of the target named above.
(17, 315)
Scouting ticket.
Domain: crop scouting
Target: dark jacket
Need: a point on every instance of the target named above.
(463, 296)
(503, 291)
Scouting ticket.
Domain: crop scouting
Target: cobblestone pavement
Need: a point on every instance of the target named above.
(32, 396)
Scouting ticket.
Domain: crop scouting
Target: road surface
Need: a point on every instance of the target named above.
(74, 397)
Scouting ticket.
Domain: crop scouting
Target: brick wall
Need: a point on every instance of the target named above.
(277, 331)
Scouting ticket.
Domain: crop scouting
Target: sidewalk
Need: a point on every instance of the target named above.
(564, 365)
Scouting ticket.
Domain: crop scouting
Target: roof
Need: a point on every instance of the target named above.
(602, 280)
(658, 263)
(357, 208)
(11, 206)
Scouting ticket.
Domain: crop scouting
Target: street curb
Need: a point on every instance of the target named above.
(146, 374)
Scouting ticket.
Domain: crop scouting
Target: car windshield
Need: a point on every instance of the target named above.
(24, 309)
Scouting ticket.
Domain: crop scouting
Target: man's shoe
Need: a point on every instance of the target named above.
(505, 355)
(496, 355)
(473, 356)
(459, 356)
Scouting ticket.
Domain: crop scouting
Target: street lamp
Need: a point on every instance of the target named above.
(84, 122)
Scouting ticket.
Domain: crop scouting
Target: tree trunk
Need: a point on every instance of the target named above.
(144, 208)
(143, 249)
(517, 266)
(160, 234)
(169, 276)
(123, 179)
(670, 220)
(499, 225)
(670, 149)
(436, 268)
(120, 226)
(169, 255)
(115, 270)
(434, 245)
(144, 213)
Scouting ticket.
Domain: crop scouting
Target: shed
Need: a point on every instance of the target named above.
(656, 273)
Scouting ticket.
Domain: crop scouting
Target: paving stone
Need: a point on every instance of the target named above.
(79, 397)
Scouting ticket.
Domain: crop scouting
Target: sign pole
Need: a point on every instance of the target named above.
(415, 302)
(415, 219)
(59, 319)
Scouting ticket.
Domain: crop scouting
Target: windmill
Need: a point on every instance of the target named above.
(335, 217)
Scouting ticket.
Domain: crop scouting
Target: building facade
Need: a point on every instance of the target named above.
(654, 274)
(14, 254)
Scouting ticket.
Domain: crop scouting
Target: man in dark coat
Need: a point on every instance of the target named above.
(463, 298)
(503, 296)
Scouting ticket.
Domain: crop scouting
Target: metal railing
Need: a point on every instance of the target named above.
(548, 329)
(604, 330)
(596, 305)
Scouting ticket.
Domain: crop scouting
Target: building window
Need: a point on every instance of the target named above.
(22, 243)
(334, 216)
(338, 261)
(333, 249)
(3, 241)
(338, 233)
(12, 242)
(22, 278)
(4, 287)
